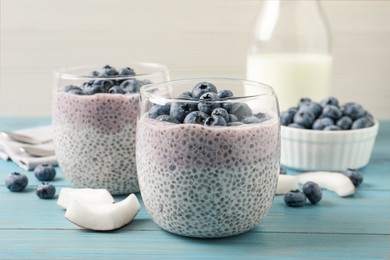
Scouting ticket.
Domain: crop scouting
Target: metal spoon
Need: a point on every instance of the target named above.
(24, 138)
(36, 151)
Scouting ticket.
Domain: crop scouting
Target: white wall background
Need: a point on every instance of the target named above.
(193, 38)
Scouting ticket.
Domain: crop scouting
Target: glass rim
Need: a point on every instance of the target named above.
(65, 72)
(145, 90)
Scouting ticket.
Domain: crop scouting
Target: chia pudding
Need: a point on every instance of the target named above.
(207, 181)
(94, 138)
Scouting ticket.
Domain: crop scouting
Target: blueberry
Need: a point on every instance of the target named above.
(332, 128)
(196, 117)
(73, 89)
(231, 107)
(94, 73)
(243, 111)
(167, 118)
(158, 110)
(345, 122)
(130, 86)
(92, 89)
(282, 170)
(126, 72)
(262, 116)
(286, 117)
(355, 176)
(186, 95)
(45, 172)
(321, 123)
(315, 108)
(232, 118)
(116, 90)
(108, 71)
(369, 116)
(303, 101)
(353, 110)
(221, 112)
(312, 191)
(107, 84)
(295, 198)
(215, 121)
(332, 112)
(180, 110)
(225, 94)
(362, 122)
(205, 106)
(329, 101)
(304, 118)
(16, 181)
(251, 120)
(295, 125)
(201, 88)
(87, 84)
(45, 190)
(234, 123)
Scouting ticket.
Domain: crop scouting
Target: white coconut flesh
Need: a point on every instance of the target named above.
(333, 181)
(103, 217)
(84, 196)
(286, 183)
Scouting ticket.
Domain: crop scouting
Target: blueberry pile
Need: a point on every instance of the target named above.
(111, 86)
(327, 115)
(208, 109)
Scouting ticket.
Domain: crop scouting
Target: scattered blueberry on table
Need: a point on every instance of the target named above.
(355, 176)
(16, 182)
(312, 191)
(45, 172)
(327, 115)
(45, 190)
(113, 82)
(295, 198)
(207, 106)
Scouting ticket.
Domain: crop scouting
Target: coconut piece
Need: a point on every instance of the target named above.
(103, 217)
(84, 196)
(333, 181)
(286, 183)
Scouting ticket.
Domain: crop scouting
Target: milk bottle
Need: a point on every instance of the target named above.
(290, 50)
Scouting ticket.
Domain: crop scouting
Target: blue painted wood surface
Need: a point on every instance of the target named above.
(356, 227)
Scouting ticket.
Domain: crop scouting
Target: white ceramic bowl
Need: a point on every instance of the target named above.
(304, 149)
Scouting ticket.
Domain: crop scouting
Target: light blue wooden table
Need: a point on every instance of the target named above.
(356, 227)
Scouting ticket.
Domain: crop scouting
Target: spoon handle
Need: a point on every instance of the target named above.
(23, 138)
(37, 152)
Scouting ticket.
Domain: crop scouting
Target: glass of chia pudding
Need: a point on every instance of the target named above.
(207, 160)
(94, 116)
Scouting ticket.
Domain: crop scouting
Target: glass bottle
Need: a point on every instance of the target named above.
(290, 50)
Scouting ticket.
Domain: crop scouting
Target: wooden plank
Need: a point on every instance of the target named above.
(69, 244)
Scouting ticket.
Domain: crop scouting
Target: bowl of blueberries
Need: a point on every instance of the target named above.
(327, 135)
